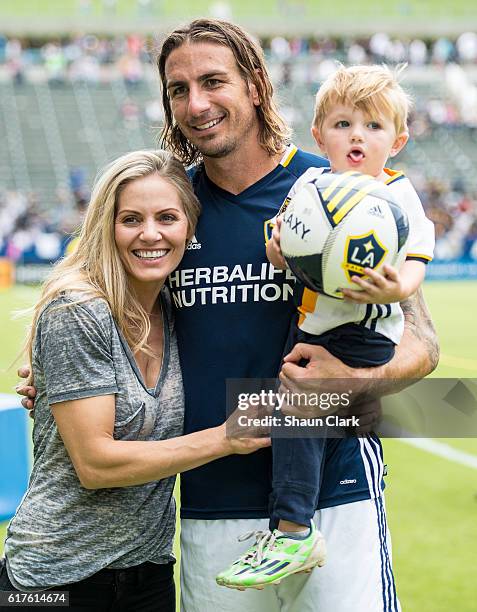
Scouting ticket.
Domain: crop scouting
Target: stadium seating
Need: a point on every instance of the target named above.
(60, 131)
(53, 129)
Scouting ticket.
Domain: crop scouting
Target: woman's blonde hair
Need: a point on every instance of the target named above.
(274, 134)
(372, 89)
(94, 268)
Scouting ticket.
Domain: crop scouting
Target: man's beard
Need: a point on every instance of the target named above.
(227, 145)
(219, 150)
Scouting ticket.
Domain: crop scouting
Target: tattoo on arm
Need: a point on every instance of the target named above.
(418, 321)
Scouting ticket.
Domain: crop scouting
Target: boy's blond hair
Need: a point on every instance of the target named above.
(375, 90)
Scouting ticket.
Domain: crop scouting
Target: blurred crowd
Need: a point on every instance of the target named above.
(30, 233)
(31, 230)
(378, 48)
(294, 62)
(27, 235)
(34, 231)
(453, 210)
(83, 57)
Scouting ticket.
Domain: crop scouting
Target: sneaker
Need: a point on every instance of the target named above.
(272, 558)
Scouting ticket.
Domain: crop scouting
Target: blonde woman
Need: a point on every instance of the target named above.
(98, 517)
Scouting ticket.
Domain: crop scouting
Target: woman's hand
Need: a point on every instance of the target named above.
(245, 446)
(242, 439)
(86, 427)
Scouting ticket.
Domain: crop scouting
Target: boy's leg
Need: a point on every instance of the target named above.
(297, 468)
(275, 555)
(297, 462)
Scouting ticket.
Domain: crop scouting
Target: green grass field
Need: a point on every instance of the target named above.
(189, 8)
(432, 502)
(268, 17)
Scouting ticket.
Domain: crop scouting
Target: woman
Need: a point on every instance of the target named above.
(98, 517)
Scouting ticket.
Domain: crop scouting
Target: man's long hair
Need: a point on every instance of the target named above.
(273, 131)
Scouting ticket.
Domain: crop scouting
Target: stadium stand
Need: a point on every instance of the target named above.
(68, 109)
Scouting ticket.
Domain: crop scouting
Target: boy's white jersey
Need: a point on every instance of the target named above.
(320, 313)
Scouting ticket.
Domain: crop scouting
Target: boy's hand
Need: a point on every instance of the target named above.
(377, 289)
(274, 251)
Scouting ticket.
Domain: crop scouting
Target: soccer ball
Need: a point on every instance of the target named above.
(339, 224)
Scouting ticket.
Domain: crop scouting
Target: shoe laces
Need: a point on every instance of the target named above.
(264, 540)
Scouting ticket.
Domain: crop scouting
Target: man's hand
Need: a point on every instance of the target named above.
(322, 374)
(327, 374)
(321, 364)
(27, 391)
(377, 288)
(416, 356)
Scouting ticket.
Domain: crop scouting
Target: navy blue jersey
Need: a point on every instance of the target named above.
(233, 312)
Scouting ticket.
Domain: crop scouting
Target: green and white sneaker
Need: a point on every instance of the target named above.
(272, 558)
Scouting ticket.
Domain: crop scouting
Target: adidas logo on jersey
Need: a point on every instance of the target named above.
(348, 481)
(193, 245)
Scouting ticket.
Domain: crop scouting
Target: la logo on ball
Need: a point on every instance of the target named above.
(361, 252)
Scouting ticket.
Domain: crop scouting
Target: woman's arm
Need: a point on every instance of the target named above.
(86, 428)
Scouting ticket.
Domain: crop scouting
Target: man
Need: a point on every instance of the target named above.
(233, 311)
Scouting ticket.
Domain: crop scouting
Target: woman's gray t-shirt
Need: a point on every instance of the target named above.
(62, 532)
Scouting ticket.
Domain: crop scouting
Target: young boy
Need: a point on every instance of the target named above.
(360, 121)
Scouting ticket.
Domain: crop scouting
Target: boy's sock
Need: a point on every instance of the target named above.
(296, 535)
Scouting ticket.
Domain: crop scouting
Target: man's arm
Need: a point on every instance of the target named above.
(416, 356)
(419, 346)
